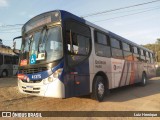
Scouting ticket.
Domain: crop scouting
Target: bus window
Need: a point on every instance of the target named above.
(101, 38)
(147, 57)
(80, 48)
(126, 47)
(102, 47)
(136, 56)
(127, 51)
(7, 59)
(15, 60)
(142, 57)
(115, 43)
(135, 50)
(1, 59)
(78, 42)
(116, 49)
(151, 58)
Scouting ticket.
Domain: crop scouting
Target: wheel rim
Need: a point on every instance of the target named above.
(100, 89)
(4, 74)
(144, 80)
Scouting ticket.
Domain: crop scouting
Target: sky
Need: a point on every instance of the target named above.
(142, 28)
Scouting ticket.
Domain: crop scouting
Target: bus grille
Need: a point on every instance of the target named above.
(33, 70)
(32, 81)
(31, 91)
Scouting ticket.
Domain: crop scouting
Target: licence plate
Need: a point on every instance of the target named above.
(29, 87)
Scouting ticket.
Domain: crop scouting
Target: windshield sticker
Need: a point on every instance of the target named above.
(41, 56)
(33, 59)
(23, 62)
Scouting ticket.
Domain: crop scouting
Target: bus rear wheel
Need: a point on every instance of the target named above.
(4, 73)
(98, 91)
(144, 80)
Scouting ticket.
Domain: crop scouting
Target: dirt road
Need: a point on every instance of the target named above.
(8, 82)
(130, 98)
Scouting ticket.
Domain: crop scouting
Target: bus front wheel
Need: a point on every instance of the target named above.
(4, 73)
(98, 91)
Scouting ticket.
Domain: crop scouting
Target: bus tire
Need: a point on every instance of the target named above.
(4, 73)
(144, 80)
(98, 91)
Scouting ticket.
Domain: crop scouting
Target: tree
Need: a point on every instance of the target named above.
(158, 41)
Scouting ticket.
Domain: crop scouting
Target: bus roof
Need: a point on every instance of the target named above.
(70, 15)
(67, 15)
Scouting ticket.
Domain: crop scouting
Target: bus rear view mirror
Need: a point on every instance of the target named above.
(16, 51)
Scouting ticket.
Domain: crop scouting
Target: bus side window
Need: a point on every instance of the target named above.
(78, 38)
(7, 59)
(127, 51)
(102, 46)
(15, 60)
(116, 48)
(142, 57)
(147, 57)
(1, 59)
(136, 56)
(151, 58)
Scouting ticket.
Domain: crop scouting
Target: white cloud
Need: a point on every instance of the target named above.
(3, 3)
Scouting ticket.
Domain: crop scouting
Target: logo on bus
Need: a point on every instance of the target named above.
(36, 76)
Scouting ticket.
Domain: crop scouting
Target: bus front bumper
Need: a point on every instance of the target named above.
(54, 89)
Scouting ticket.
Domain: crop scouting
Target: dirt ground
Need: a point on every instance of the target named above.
(129, 98)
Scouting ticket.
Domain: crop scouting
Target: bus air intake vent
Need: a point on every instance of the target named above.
(33, 70)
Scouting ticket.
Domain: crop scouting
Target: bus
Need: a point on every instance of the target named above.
(63, 55)
(8, 65)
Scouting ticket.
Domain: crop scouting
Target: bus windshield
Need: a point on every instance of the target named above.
(45, 44)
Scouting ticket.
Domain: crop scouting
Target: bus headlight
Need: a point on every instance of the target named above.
(53, 77)
(57, 73)
(50, 79)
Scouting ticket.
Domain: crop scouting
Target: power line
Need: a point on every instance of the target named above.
(136, 5)
(127, 15)
(9, 32)
(148, 8)
(9, 29)
(15, 25)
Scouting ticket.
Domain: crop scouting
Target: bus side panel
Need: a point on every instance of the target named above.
(117, 67)
(151, 71)
(124, 74)
(136, 71)
(77, 80)
(100, 64)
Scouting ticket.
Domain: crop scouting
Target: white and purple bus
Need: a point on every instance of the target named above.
(63, 55)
